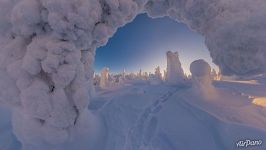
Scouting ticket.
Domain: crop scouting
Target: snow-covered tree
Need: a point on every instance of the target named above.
(175, 73)
(156, 78)
(131, 76)
(139, 73)
(104, 81)
(158, 73)
(124, 74)
(97, 79)
(201, 79)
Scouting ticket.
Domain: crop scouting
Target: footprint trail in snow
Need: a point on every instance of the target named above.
(143, 131)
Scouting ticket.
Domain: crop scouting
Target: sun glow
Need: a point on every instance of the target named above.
(261, 101)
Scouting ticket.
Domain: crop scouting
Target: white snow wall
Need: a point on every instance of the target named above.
(47, 49)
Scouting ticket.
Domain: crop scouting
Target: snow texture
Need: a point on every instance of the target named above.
(48, 46)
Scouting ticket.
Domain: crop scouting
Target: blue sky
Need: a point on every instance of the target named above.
(143, 43)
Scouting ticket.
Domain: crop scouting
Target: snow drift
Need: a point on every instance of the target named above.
(48, 47)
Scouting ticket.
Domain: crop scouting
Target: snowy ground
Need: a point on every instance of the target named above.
(139, 116)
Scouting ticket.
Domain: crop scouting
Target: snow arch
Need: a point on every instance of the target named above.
(47, 50)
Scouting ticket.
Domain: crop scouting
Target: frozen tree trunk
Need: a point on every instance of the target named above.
(104, 78)
(175, 73)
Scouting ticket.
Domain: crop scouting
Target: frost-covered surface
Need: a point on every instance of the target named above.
(175, 73)
(140, 116)
(47, 50)
(46, 68)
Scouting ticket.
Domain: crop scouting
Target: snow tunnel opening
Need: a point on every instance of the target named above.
(142, 44)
